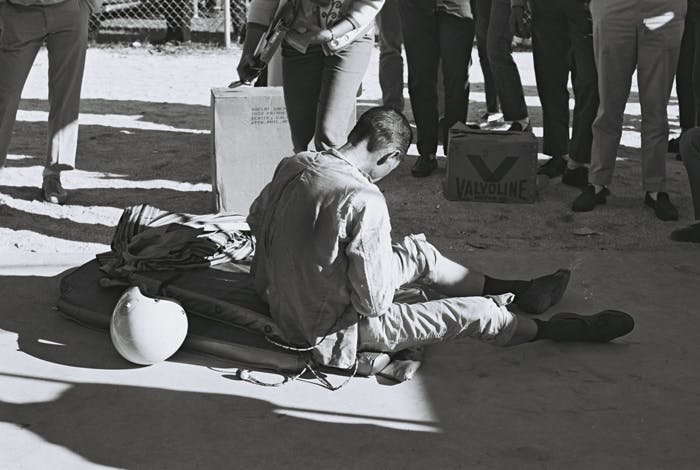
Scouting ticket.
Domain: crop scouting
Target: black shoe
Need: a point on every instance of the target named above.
(599, 328)
(424, 166)
(516, 126)
(663, 208)
(553, 168)
(52, 189)
(690, 234)
(588, 199)
(543, 292)
(576, 177)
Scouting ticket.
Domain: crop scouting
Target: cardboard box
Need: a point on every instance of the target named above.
(490, 166)
(250, 136)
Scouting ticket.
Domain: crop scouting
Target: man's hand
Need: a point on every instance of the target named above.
(248, 68)
(519, 21)
(313, 35)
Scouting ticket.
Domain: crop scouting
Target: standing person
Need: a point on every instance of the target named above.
(390, 58)
(178, 19)
(688, 74)
(562, 40)
(329, 271)
(494, 17)
(442, 31)
(690, 154)
(644, 35)
(324, 58)
(63, 26)
(493, 116)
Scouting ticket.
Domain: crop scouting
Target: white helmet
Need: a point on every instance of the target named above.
(147, 330)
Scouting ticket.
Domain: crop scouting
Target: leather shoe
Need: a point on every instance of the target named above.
(552, 168)
(599, 328)
(52, 189)
(663, 208)
(576, 177)
(588, 199)
(424, 166)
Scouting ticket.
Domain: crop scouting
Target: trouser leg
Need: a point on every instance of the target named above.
(550, 49)
(422, 56)
(505, 71)
(615, 49)
(302, 86)
(390, 58)
(694, 23)
(21, 37)
(684, 79)
(657, 59)
(456, 36)
(340, 78)
(690, 150)
(482, 11)
(585, 81)
(66, 44)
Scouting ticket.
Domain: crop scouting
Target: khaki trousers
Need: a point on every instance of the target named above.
(64, 28)
(629, 34)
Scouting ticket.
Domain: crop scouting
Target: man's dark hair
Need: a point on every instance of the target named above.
(383, 127)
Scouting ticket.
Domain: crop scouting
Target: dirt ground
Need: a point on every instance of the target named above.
(144, 136)
(67, 400)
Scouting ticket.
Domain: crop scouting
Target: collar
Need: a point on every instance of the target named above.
(335, 153)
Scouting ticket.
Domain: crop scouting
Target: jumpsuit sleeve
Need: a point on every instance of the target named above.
(370, 257)
(362, 12)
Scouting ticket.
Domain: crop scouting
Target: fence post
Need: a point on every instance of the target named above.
(227, 23)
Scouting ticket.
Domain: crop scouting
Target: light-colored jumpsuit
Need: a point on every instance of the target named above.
(325, 264)
(63, 26)
(629, 34)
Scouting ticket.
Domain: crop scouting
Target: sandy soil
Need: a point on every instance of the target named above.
(145, 138)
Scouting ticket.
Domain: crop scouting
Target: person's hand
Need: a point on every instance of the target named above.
(518, 22)
(312, 35)
(248, 68)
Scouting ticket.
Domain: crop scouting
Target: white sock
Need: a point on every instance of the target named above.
(653, 194)
(598, 188)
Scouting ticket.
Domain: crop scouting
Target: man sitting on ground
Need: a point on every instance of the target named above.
(326, 264)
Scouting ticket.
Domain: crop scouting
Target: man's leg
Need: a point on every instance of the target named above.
(456, 36)
(550, 48)
(340, 78)
(690, 151)
(694, 17)
(585, 82)
(302, 87)
(21, 39)
(684, 77)
(615, 50)
(505, 71)
(417, 261)
(658, 48)
(482, 12)
(422, 57)
(390, 58)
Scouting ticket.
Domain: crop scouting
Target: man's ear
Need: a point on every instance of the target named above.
(389, 156)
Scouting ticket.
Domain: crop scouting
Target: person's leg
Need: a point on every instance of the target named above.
(505, 71)
(417, 261)
(422, 57)
(684, 78)
(455, 36)
(694, 23)
(657, 58)
(302, 86)
(690, 153)
(482, 12)
(340, 78)
(615, 50)
(21, 39)
(585, 81)
(66, 44)
(550, 48)
(390, 58)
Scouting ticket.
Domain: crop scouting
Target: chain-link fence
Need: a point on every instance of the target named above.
(172, 20)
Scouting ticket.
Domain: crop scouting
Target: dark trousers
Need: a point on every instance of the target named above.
(690, 151)
(390, 58)
(493, 16)
(178, 17)
(688, 72)
(430, 36)
(562, 39)
(482, 29)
